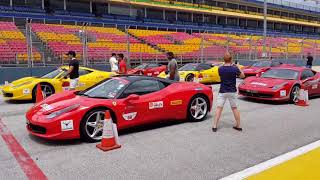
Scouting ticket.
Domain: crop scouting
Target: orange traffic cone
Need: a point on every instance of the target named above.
(303, 98)
(39, 95)
(109, 136)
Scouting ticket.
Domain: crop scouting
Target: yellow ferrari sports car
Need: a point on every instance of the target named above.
(198, 72)
(52, 82)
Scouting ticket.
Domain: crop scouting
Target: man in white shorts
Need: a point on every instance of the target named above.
(73, 71)
(228, 91)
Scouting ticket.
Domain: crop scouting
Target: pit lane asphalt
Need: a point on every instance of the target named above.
(170, 150)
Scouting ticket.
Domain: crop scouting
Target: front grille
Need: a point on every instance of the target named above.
(37, 129)
(255, 94)
(7, 94)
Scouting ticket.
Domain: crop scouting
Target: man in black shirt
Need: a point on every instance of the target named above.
(309, 61)
(73, 71)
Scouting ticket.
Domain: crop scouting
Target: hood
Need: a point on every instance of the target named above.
(66, 99)
(263, 82)
(252, 69)
(22, 80)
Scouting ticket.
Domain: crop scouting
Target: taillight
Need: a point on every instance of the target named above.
(200, 76)
(65, 84)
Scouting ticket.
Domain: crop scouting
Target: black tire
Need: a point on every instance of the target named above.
(84, 132)
(205, 107)
(295, 89)
(34, 90)
(189, 78)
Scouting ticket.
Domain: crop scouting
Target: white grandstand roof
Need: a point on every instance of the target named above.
(311, 5)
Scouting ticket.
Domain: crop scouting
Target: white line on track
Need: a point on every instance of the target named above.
(272, 162)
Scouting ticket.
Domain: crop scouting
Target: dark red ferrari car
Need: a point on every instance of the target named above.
(146, 69)
(259, 67)
(281, 84)
(132, 100)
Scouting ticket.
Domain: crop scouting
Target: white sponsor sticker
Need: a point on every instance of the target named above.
(81, 84)
(129, 116)
(156, 72)
(26, 91)
(283, 93)
(67, 125)
(257, 83)
(149, 74)
(156, 105)
(315, 86)
(107, 129)
(46, 107)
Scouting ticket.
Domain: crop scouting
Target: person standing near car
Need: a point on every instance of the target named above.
(122, 64)
(228, 91)
(73, 71)
(113, 63)
(172, 67)
(309, 60)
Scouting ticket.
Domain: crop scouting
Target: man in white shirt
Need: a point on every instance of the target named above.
(114, 63)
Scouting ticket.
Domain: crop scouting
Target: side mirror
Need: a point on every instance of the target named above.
(132, 97)
(306, 80)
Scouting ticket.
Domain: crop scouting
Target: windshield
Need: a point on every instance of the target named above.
(281, 74)
(54, 73)
(262, 64)
(189, 67)
(108, 89)
(142, 66)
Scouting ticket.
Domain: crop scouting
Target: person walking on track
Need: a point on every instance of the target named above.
(73, 71)
(172, 67)
(228, 91)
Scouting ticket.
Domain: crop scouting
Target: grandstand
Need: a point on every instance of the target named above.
(145, 30)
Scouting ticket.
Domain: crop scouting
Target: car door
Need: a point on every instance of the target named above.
(150, 105)
(309, 81)
(85, 79)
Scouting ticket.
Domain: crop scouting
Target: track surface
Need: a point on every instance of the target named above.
(168, 151)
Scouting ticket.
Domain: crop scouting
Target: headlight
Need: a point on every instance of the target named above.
(279, 86)
(62, 111)
(23, 84)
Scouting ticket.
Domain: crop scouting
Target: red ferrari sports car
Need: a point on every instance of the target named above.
(259, 67)
(148, 69)
(281, 84)
(132, 100)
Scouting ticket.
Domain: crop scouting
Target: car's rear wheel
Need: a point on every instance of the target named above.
(294, 94)
(91, 126)
(198, 108)
(190, 78)
(47, 90)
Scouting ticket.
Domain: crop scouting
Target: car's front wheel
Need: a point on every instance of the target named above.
(91, 126)
(47, 90)
(294, 94)
(198, 108)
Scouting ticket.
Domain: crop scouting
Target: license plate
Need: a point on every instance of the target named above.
(252, 91)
